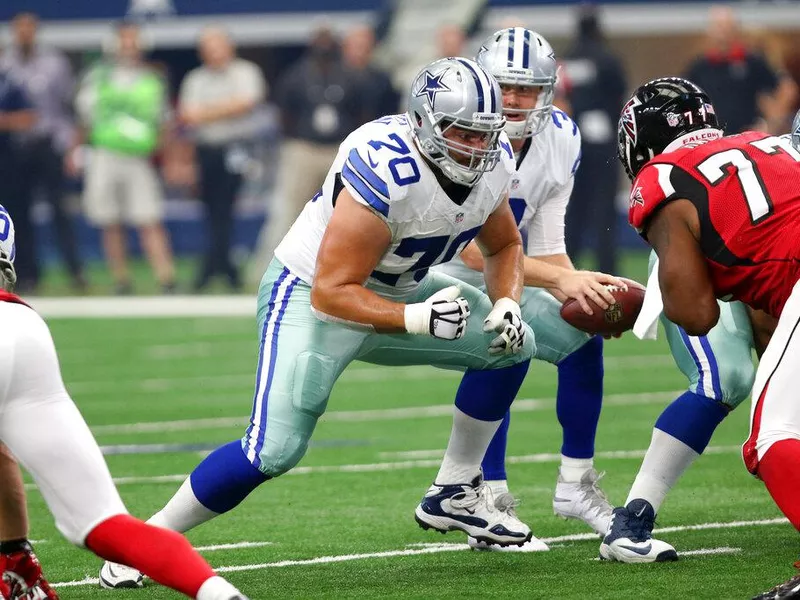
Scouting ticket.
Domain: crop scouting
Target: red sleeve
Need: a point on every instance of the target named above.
(651, 190)
(9, 297)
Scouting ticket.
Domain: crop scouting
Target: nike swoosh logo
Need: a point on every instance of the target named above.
(371, 163)
(641, 551)
(641, 512)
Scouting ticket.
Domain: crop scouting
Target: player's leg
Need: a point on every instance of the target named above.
(486, 391)
(720, 371)
(772, 450)
(69, 469)
(299, 360)
(18, 562)
(579, 359)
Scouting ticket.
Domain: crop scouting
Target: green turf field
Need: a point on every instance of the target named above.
(342, 525)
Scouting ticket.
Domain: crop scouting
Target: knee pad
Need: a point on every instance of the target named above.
(292, 417)
(736, 381)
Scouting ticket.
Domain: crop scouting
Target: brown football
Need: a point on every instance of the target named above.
(617, 318)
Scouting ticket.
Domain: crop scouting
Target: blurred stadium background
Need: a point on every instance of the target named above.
(649, 38)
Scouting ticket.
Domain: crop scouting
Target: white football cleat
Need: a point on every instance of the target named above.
(629, 538)
(117, 576)
(507, 503)
(584, 501)
(470, 508)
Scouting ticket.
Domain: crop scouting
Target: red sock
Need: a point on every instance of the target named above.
(165, 556)
(780, 472)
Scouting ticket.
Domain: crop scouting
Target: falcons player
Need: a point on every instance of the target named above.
(723, 215)
(68, 467)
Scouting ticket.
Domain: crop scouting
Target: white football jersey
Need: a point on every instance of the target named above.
(381, 167)
(539, 192)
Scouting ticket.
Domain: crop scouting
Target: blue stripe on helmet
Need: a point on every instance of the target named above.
(478, 84)
(511, 34)
(526, 50)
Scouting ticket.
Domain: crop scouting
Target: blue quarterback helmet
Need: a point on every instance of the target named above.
(519, 56)
(456, 92)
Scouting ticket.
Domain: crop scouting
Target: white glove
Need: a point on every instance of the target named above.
(443, 315)
(506, 319)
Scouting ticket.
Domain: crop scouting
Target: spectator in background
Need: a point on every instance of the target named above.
(123, 106)
(46, 76)
(595, 91)
(217, 102)
(321, 101)
(450, 40)
(357, 50)
(16, 116)
(741, 83)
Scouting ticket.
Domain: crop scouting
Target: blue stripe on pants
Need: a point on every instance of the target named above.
(272, 296)
(712, 363)
(262, 430)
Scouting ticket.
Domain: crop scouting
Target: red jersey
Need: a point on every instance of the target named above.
(9, 297)
(746, 189)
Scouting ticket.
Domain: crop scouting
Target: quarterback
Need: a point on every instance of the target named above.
(547, 147)
(351, 280)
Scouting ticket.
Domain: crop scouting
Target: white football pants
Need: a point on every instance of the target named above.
(44, 430)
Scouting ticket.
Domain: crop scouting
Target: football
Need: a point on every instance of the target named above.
(617, 318)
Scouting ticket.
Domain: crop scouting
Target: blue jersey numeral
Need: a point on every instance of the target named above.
(401, 148)
(560, 118)
(431, 249)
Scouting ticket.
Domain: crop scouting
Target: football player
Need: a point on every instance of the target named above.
(67, 465)
(720, 375)
(722, 213)
(351, 281)
(547, 147)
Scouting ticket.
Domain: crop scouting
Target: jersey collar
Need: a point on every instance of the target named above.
(694, 138)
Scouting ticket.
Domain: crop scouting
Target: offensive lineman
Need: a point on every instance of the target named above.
(547, 147)
(350, 281)
(67, 465)
(722, 214)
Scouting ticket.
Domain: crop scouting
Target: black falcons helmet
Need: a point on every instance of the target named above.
(658, 113)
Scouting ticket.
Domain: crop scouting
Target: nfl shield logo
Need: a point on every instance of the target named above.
(459, 217)
(613, 313)
(673, 120)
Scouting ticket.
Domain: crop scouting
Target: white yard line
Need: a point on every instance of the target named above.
(417, 549)
(701, 552)
(234, 546)
(403, 465)
(388, 414)
(370, 374)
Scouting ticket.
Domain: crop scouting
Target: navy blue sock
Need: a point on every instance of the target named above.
(225, 478)
(692, 419)
(580, 397)
(487, 394)
(494, 461)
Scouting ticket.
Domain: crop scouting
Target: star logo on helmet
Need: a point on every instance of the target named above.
(433, 85)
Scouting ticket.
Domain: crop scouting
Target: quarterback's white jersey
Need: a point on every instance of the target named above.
(380, 166)
(539, 192)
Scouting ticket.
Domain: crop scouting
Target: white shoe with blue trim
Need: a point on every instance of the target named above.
(471, 508)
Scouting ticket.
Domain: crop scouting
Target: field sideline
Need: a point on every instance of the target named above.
(160, 393)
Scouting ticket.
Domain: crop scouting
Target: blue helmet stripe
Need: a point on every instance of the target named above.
(526, 50)
(511, 33)
(478, 84)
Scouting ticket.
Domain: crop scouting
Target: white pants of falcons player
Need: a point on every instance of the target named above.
(44, 430)
(775, 413)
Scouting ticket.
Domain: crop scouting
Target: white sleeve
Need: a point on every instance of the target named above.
(546, 228)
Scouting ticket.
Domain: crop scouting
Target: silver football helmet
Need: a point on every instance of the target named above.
(8, 251)
(796, 131)
(519, 56)
(456, 92)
